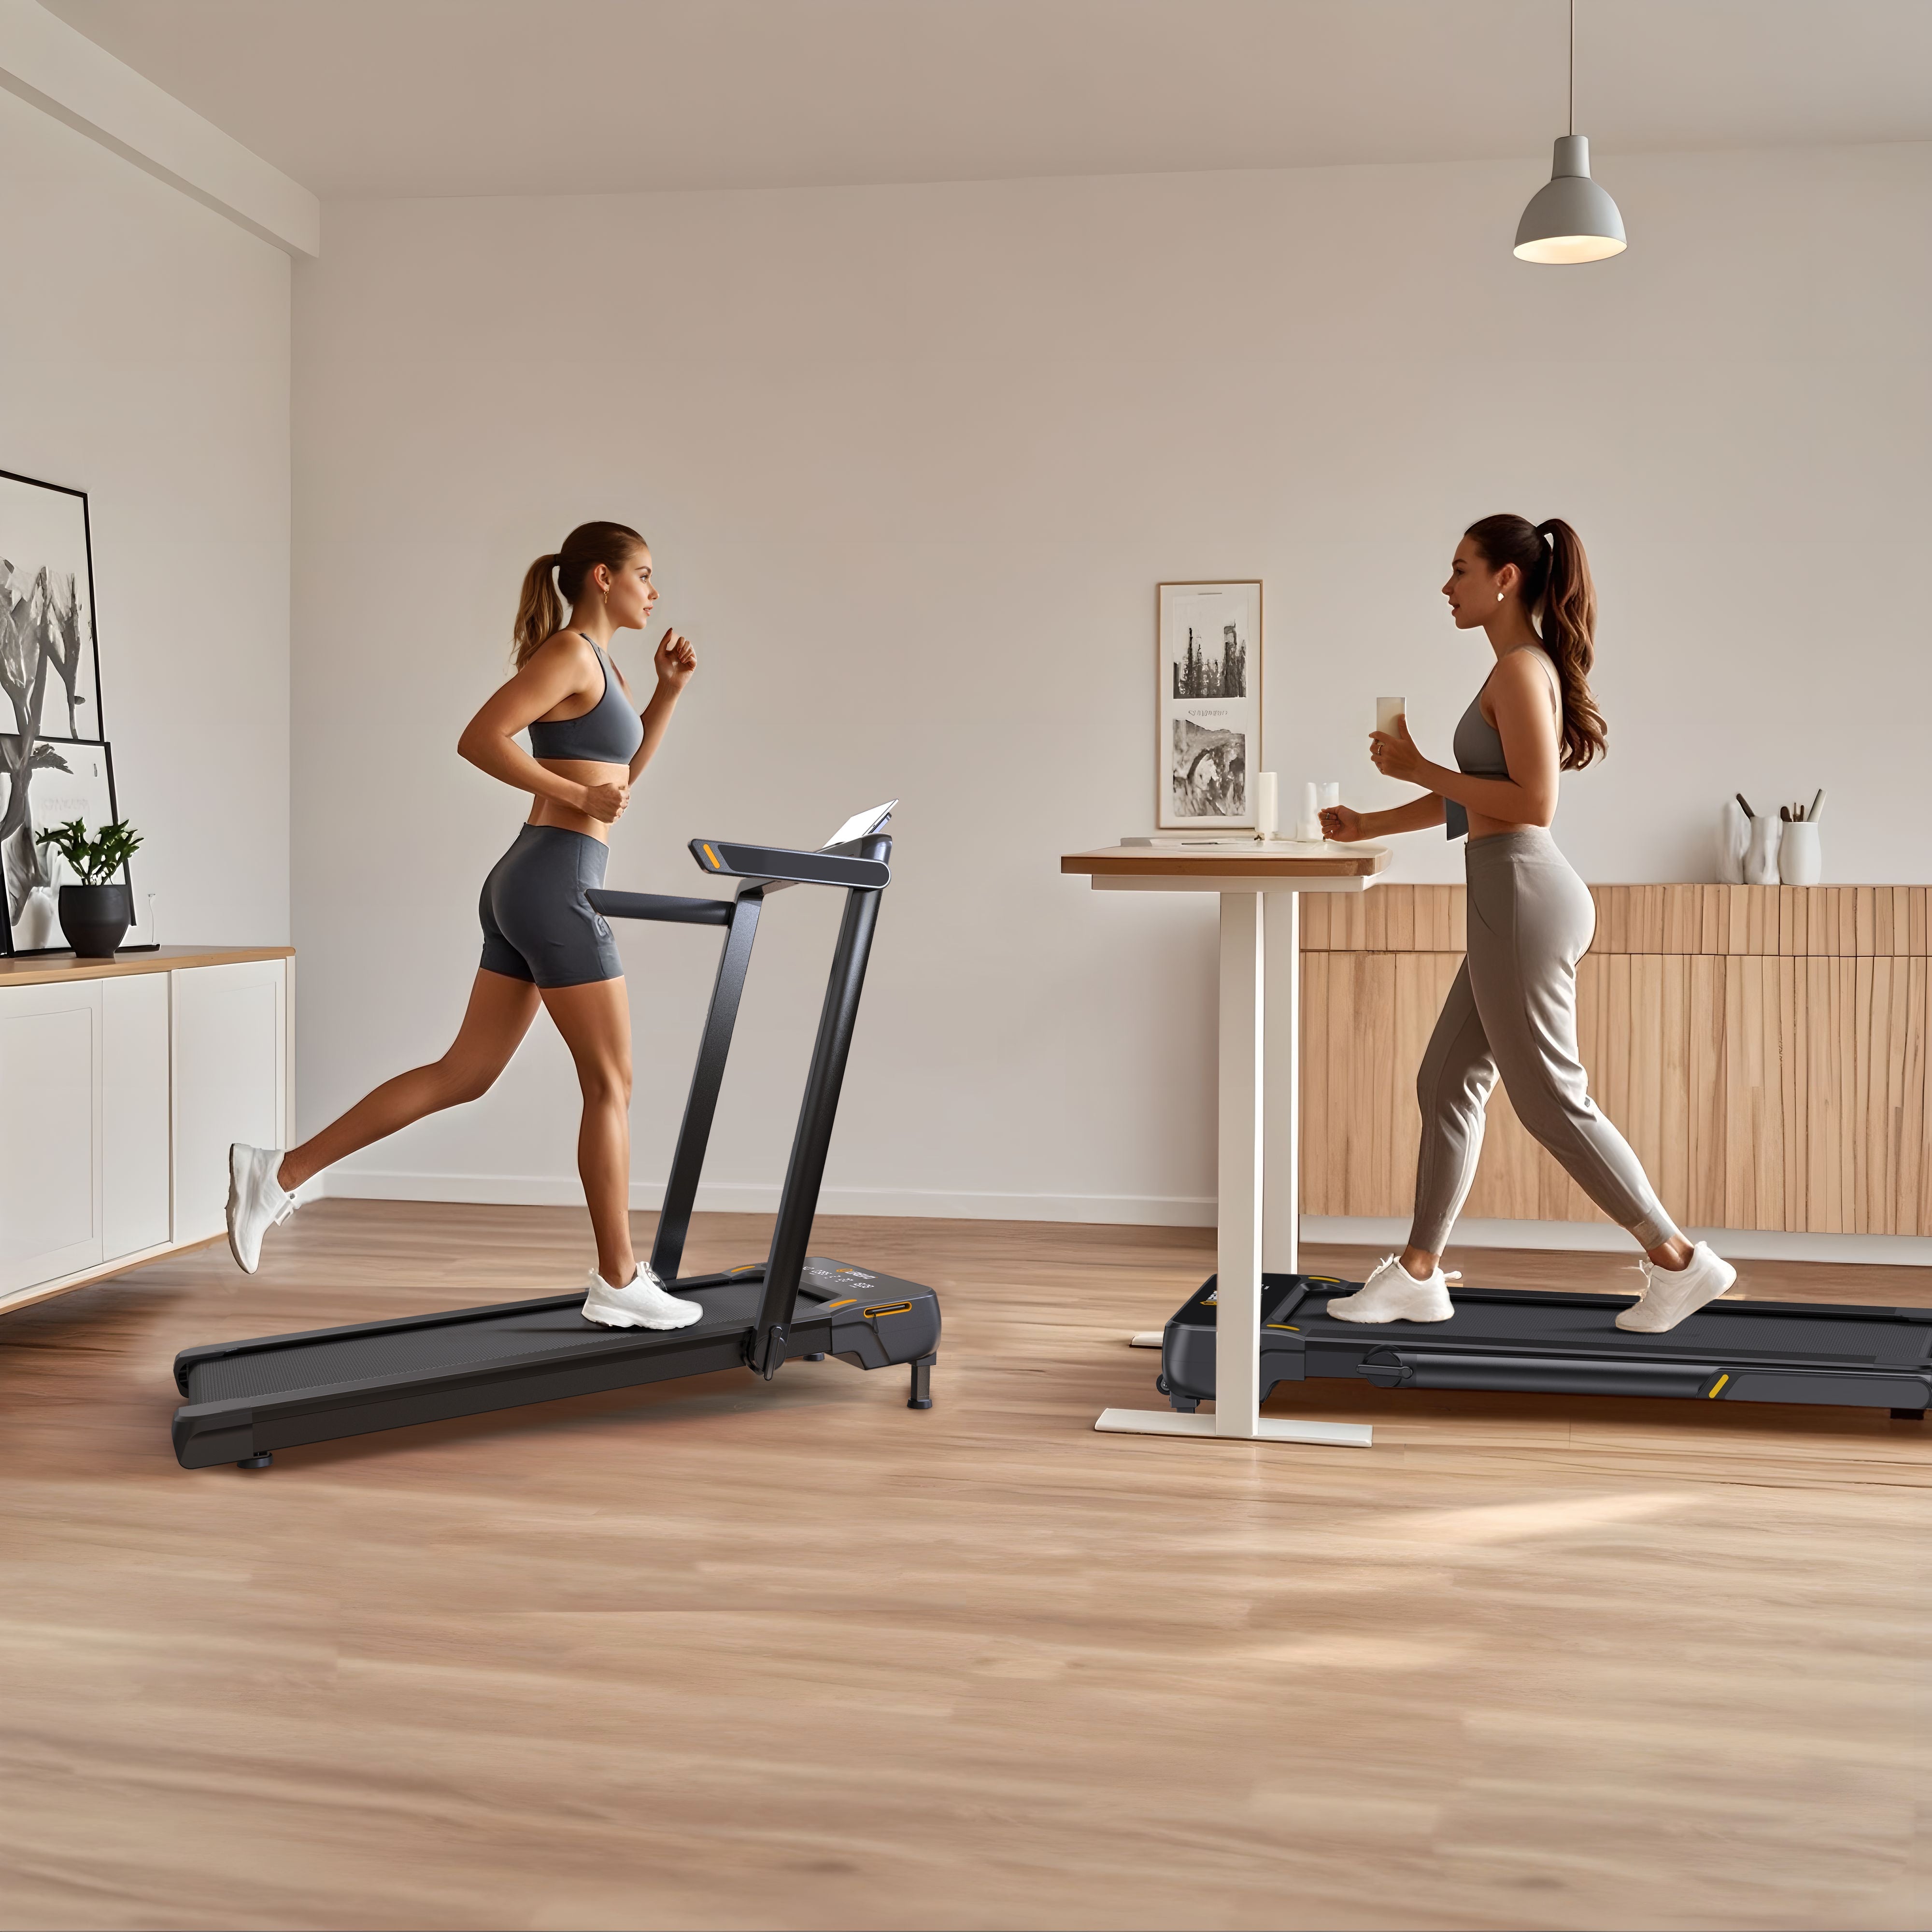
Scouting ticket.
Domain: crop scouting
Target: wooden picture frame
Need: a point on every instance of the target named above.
(1208, 651)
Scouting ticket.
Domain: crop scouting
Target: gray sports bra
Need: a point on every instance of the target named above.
(608, 733)
(1478, 745)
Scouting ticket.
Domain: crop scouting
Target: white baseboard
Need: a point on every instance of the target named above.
(1143, 1211)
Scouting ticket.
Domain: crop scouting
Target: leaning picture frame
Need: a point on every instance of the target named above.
(65, 778)
(55, 764)
(49, 648)
(1208, 649)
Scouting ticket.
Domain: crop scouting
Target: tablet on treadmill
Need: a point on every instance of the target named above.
(862, 826)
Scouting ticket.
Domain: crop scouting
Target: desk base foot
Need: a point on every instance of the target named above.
(1148, 1338)
(1165, 1422)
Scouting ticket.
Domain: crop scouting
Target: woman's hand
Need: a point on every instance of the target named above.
(675, 661)
(607, 802)
(1395, 754)
(1341, 822)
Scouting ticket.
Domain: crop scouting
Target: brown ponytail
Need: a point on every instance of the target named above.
(541, 609)
(1557, 591)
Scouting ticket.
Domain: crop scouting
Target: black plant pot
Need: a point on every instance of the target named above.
(94, 919)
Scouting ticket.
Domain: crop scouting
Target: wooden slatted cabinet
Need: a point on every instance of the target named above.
(1762, 1047)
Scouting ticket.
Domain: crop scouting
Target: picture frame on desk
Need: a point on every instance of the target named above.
(1208, 650)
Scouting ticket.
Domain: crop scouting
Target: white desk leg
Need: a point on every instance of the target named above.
(1242, 1101)
(1237, 1247)
(1281, 1211)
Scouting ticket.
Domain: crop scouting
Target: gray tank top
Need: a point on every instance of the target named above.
(1478, 745)
(608, 733)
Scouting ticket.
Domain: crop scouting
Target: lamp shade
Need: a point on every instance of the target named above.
(1572, 219)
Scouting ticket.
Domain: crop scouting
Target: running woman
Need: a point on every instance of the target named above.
(544, 943)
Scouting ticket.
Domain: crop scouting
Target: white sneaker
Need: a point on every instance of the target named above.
(256, 1202)
(1392, 1294)
(1669, 1296)
(642, 1303)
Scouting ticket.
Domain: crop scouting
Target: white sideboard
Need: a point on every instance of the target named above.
(122, 1082)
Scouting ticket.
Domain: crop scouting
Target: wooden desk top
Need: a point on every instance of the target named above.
(1242, 859)
(47, 969)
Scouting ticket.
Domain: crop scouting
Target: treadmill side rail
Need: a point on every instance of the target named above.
(726, 859)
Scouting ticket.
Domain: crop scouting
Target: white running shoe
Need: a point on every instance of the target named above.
(1392, 1294)
(1669, 1295)
(642, 1303)
(256, 1202)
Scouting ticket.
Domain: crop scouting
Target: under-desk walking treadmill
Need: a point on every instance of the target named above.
(1558, 1344)
(246, 1399)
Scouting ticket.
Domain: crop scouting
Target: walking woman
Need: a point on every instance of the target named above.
(543, 941)
(1512, 1009)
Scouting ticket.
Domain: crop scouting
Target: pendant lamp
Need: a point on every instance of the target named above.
(1572, 219)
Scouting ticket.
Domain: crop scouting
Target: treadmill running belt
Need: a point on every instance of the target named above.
(332, 1361)
(1587, 1323)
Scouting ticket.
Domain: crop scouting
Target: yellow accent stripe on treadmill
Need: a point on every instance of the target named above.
(1715, 1386)
(718, 864)
(831, 1305)
(1289, 1325)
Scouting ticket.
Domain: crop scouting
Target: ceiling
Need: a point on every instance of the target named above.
(392, 97)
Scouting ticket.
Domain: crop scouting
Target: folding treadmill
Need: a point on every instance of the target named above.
(246, 1399)
(1522, 1341)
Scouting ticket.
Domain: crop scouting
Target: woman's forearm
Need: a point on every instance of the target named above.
(1417, 815)
(655, 718)
(504, 759)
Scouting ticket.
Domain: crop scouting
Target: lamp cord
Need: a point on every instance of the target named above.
(1573, 66)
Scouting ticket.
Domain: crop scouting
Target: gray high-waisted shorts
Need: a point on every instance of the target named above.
(537, 923)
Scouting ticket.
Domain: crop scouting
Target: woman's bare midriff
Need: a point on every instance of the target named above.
(579, 771)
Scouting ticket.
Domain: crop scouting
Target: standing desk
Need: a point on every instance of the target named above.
(1257, 1206)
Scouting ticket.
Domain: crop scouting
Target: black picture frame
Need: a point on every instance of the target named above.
(67, 749)
(44, 636)
(98, 734)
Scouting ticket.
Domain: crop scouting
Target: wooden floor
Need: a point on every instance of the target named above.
(719, 1654)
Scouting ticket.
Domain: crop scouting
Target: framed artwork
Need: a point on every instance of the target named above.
(49, 663)
(65, 779)
(54, 762)
(1208, 657)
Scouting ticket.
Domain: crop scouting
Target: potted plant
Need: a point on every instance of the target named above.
(95, 915)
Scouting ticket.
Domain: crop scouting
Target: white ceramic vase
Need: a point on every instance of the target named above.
(1799, 860)
(1733, 842)
(1761, 857)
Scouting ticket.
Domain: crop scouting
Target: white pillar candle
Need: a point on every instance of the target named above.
(1267, 806)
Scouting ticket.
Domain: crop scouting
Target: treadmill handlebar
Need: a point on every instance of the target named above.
(660, 906)
(858, 865)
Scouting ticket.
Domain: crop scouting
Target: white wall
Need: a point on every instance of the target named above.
(145, 348)
(913, 460)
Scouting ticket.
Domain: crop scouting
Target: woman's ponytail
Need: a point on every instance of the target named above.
(1556, 590)
(539, 609)
(553, 582)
